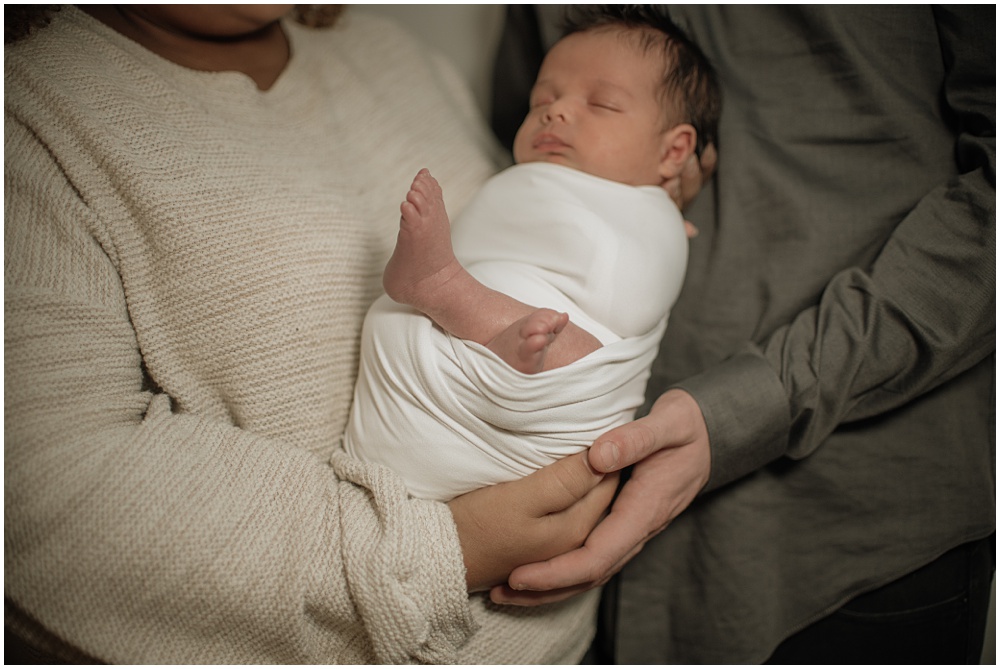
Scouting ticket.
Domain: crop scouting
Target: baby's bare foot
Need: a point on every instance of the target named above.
(524, 344)
(423, 259)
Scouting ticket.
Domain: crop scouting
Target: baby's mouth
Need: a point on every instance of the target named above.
(548, 142)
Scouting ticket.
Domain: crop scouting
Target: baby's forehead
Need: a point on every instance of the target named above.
(580, 56)
(643, 43)
(646, 41)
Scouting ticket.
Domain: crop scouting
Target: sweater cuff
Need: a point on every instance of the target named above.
(403, 566)
(746, 412)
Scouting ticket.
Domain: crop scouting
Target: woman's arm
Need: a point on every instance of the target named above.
(135, 532)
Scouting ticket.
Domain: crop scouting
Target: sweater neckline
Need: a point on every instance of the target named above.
(231, 81)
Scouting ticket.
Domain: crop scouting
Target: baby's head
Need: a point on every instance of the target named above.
(624, 95)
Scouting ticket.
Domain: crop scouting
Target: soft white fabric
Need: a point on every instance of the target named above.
(610, 254)
(448, 414)
(187, 263)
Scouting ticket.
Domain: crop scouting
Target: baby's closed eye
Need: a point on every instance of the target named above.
(609, 105)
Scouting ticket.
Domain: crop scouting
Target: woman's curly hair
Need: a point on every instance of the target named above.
(20, 20)
(318, 16)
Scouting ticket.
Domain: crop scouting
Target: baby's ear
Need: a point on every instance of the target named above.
(678, 145)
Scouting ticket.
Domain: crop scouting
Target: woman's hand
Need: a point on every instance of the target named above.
(545, 514)
(670, 451)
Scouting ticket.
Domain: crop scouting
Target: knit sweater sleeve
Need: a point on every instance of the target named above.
(135, 532)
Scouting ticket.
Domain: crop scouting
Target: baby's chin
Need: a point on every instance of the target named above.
(554, 159)
(565, 161)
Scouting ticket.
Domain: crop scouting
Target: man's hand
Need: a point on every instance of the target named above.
(670, 451)
(683, 188)
(547, 513)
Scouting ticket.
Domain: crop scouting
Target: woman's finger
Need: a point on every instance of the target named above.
(557, 487)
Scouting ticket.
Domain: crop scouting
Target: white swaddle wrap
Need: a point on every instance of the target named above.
(447, 414)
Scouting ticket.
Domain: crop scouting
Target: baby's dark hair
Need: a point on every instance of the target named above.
(689, 80)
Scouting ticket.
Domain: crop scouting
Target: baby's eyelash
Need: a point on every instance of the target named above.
(605, 105)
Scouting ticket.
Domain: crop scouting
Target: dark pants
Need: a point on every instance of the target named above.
(935, 615)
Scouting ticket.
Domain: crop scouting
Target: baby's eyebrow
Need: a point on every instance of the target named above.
(599, 85)
(607, 84)
(541, 83)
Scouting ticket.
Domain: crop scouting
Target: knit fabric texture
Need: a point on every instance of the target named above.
(187, 264)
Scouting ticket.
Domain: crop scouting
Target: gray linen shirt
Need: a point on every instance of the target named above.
(837, 325)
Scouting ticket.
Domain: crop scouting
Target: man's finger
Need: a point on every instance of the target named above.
(612, 543)
(503, 594)
(709, 159)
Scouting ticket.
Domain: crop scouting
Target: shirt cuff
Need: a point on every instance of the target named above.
(746, 412)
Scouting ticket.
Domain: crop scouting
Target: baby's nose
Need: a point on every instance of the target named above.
(558, 110)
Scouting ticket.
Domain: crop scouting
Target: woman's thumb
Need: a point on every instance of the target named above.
(623, 446)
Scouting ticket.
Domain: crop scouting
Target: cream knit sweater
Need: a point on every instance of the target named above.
(187, 264)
